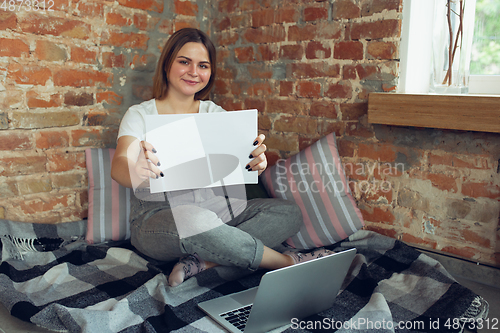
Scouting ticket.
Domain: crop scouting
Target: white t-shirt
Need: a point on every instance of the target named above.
(133, 122)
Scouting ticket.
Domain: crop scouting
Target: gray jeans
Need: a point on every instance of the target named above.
(167, 227)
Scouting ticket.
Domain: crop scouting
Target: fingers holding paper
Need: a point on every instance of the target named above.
(147, 165)
(258, 156)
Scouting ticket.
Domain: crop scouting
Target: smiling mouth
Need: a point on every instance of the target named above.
(191, 82)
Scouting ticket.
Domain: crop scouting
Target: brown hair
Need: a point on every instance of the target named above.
(170, 50)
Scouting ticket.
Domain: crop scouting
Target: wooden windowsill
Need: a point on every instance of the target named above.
(459, 112)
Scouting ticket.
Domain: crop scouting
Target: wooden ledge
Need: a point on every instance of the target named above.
(458, 112)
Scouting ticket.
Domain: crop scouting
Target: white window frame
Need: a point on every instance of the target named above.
(416, 53)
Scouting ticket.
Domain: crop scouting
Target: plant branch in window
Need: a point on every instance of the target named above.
(459, 36)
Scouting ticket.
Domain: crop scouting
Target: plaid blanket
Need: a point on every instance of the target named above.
(51, 277)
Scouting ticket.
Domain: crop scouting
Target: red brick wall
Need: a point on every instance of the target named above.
(308, 67)
(66, 77)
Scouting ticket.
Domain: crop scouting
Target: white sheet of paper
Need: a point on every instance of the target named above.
(203, 149)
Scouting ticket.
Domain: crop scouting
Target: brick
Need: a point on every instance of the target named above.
(262, 89)
(46, 203)
(315, 13)
(86, 137)
(144, 63)
(228, 73)
(263, 35)
(83, 55)
(413, 200)
(294, 124)
(109, 98)
(318, 50)
(324, 109)
(15, 140)
(227, 6)
(227, 38)
(143, 92)
(67, 180)
(481, 190)
(241, 21)
(223, 23)
(462, 251)
(263, 17)
(4, 120)
(353, 111)
(259, 71)
(8, 20)
(327, 126)
(381, 230)
(377, 151)
(185, 8)
(145, 22)
(409, 238)
(377, 214)
(35, 100)
(12, 98)
(286, 88)
(345, 9)
(73, 98)
(475, 238)
(376, 30)
(30, 186)
(341, 89)
(22, 165)
(285, 106)
(81, 78)
(111, 60)
(126, 40)
(267, 53)
(348, 50)
(118, 19)
(91, 9)
(95, 118)
(221, 87)
(8, 189)
(65, 161)
(150, 5)
(368, 72)
(382, 50)
(308, 89)
(244, 54)
(52, 139)
(291, 52)
(29, 74)
(349, 72)
(13, 48)
(230, 104)
(284, 142)
(312, 70)
(272, 158)
(443, 182)
(165, 27)
(186, 22)
(44, 25)
(321, 30)
(286, 15)
(378, 6)
(44, 119)
(253, 103)
(264, 121)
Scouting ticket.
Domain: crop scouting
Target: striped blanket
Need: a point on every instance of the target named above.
(51, 277)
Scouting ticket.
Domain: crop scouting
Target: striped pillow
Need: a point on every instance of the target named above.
(315, 180)
(109, 202)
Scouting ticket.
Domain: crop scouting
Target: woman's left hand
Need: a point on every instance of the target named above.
(259, 161)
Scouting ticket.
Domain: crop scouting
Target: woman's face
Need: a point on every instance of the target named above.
(190, 70)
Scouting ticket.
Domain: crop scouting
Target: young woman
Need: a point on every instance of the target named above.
(193, 225)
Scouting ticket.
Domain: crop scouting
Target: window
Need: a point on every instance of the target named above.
(416, 46)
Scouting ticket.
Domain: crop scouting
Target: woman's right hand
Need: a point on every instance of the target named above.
(147, 165)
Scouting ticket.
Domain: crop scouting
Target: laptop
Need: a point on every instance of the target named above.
(293, 292)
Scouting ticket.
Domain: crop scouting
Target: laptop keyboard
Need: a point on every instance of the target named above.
(238, 318)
